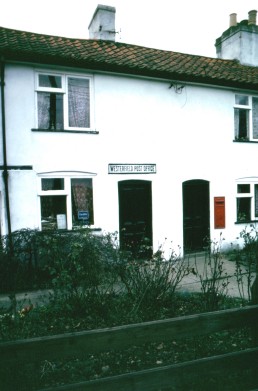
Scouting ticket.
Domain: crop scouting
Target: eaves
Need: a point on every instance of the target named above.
(125, 70)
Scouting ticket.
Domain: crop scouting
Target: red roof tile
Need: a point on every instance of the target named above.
(123, 58)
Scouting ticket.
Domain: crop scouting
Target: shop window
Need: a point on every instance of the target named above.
(82, 201)
(53, 212)
(66, 203)
(52, 184)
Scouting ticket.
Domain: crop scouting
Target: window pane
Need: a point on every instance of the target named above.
(79, 102)
(50, 111)
(52, 184)
(241, 100)
(243, 209)
(82, 201)
(50, 81)
(255, 117)
(241, 123)
(243, 188)
(52, 208)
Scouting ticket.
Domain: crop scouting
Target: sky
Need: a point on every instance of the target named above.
(186, 26)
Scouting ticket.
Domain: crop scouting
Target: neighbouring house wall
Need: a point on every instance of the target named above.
(187, 133)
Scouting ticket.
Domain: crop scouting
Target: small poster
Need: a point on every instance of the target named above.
(83, 215)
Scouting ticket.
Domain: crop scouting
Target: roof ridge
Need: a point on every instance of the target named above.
(107, 42)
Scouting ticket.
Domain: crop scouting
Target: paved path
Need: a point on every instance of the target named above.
(26, 298)
(191, 283)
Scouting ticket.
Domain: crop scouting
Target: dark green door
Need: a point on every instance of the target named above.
(135, 216)
(196, 215)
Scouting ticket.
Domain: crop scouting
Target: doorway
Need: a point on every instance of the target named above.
(196, 215)
(135, 217)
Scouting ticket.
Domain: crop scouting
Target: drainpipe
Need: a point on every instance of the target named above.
(5, 168)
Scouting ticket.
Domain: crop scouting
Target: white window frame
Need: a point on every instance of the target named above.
(249, 109)
(64, 90)
(67, 176)
(252, 182)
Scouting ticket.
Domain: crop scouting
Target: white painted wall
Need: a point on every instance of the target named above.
(188, 136)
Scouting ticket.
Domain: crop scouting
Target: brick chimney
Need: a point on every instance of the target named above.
(240, 40)
(102, 25)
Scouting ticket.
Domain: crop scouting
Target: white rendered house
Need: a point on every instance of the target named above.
(149, 143)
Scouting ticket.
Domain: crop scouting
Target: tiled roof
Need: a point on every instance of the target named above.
(123, 58)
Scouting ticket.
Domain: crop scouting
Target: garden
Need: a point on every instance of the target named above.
(93, 285)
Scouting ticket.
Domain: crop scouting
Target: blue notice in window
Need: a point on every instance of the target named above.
(83, 215)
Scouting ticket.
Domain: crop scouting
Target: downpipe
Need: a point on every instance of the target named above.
(5, 166)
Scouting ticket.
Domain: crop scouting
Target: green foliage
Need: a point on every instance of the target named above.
(84, 264)
(59, 260)
(95, 285)
(90, 277)
(246, 261)
(20, 267)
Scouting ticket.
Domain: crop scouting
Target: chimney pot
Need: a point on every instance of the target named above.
(252, 17)
(232, 20)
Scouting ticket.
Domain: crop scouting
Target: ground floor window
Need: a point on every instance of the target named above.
(66, 203)
(247, 201)
(82, 201)
(51, 208)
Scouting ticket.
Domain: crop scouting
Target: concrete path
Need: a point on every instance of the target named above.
(191, 283)
(23, 299)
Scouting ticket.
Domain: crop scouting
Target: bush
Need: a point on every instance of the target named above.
(84, 263)
(246, 261)
(31, 259)
(150, 283)
(213, 276)
(20, 268)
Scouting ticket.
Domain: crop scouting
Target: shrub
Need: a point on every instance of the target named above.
(82, 269)
(149, 283)
(58, 259)
(213, 276)
(19, 262)
(246, 261)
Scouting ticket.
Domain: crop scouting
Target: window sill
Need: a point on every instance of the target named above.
(247, 222)
(93, 230)
(65, 131)
(245, 141)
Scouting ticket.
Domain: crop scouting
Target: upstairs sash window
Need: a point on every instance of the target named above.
(79, 102)
(63, 102)
(246, 118)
